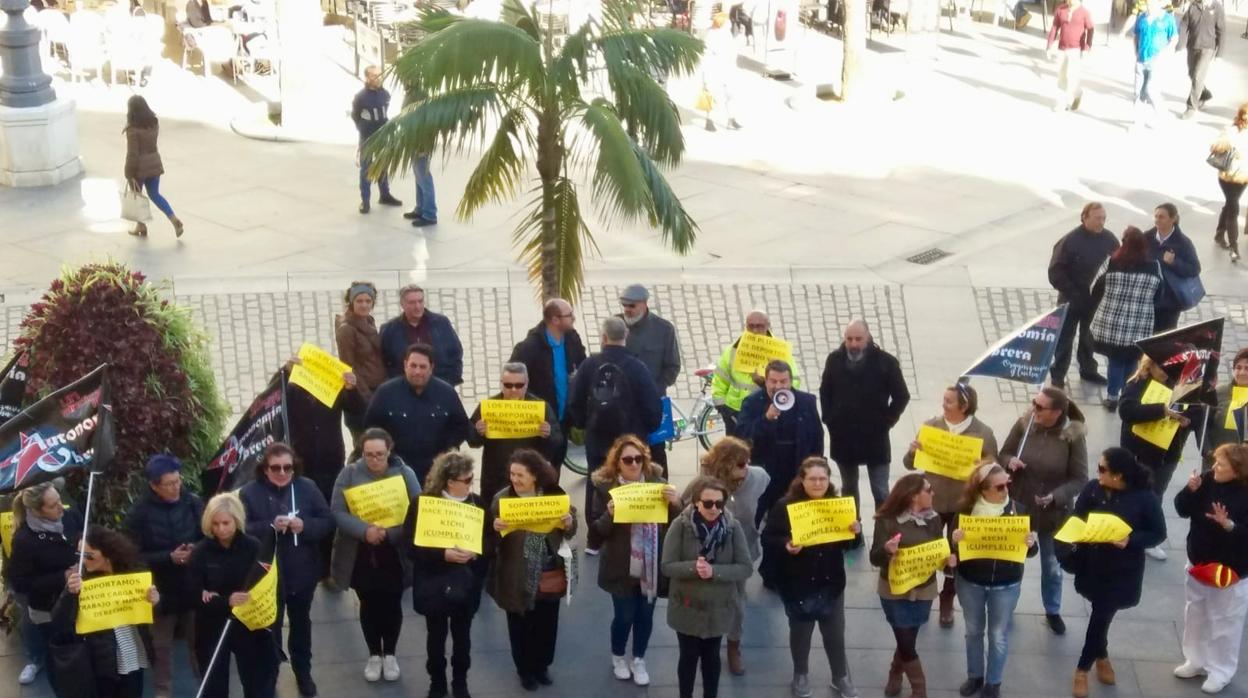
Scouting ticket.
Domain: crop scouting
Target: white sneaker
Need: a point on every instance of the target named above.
(592, 552)
(1157, 553)
(29, 672)
(1213, 686)
(390, 668)
(372, 669)
(640, 677)
(1187, 670)
(619, 667)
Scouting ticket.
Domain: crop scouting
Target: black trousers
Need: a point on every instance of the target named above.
(1165, 319)
(381, 619)
(1198, 62)
(299, 643)
(124, 686)
(1079, 320)
(532, 635)
(459, 625)
(255, 653)
(1228, 219)
(1096, 642)
(694, 651)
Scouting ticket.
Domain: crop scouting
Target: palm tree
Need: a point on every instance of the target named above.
(507, 87)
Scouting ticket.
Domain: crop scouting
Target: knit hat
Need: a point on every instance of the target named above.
(160, 465)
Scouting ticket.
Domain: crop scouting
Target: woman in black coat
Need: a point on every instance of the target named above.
(119, 655)
(1110, 575)
(221, 573)
(447, 582)
(282, 503)
(45, 547)
(811, 580)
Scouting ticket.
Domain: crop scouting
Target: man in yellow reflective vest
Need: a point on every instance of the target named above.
(731, 385)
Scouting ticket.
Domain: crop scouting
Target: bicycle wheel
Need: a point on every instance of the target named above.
(709, 423)
(575, 460)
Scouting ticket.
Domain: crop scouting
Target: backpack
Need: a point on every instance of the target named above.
(608, 401)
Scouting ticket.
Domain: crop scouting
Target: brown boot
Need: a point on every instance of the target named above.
(893, 687)
(918, 682)
(1079, 689)
(736, 666)
(1105, 672)
(946, 603)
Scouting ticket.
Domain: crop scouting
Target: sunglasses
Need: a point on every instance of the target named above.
(1036, 404)
(514, 386)
(466, 480)
(87, 555)
(712, 503)
(632, 460)
(1102, 469)
(281, 468)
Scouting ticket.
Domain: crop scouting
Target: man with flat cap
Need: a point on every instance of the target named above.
(651, 339)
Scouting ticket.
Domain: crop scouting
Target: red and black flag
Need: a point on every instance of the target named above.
(263, 423)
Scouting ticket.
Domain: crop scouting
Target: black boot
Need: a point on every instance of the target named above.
(459, 687)
(437, 686)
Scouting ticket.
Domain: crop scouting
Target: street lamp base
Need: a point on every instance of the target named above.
(39, 145)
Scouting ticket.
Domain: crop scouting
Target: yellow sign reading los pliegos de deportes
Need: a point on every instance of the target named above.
(445, 523)
(994, 537)
(512, 419)
(754, 351)
(914, 565)
(948, 454)
(113, 601)
(319, 373)
(382, 503)
(818, 521)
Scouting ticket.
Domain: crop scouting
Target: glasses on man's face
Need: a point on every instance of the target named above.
(513, 386)
(632, 460)
(712, 503)
(281, 468)
(465, 480)
(625, 304)
(569, 316)
(757, 329)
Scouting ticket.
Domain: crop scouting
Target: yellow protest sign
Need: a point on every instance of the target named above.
(994, 537)
(1099, 528)
(1239, 398)
(446, 523)
(113, 601)
(946, 453)
(6, 532)
(512, 419)
(755, 350)
(914, 565)
(319, 373)
(382, 503)
(818, 521)
(536, 514)
(260, 611)
(1159, 433)
(640, 502)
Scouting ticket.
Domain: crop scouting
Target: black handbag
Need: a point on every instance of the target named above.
(444, 593)
(815, 607)
(70, 670)
(1070, 556)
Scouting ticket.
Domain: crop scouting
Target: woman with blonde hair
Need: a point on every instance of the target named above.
(1232, 178)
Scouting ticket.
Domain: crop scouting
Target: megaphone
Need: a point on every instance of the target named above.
(783, 400)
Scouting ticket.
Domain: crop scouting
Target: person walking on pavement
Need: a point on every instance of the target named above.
(1125, 298)
(368, 111)
(143, 165)
(552, 352)
(1201, 32)
(731, 384)
(496, 453)
(862, 395)
(653, 340)
(1232, 180)
(417, 324)
(1077, 258)
(1156, 35)
(1072, 29)
(1168, 245)
(612, 394)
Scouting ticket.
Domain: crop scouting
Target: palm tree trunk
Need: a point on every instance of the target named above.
(548, 165)
(855, 45)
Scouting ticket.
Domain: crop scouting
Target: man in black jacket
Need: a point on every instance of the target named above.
(421, 412)
(496, 453)
(552, 352)
(418, 324)
(165, 524)
(1201, 32)
(862, 395)
(1179, 264)
(1077, 258)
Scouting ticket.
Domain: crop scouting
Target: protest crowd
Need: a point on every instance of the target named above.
(290, 509)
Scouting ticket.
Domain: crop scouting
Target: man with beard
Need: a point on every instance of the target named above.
(652, 340)
(862, 395)
(1076, 261)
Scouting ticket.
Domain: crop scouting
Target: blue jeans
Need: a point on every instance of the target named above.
(1145, 86)
(635, 613)
(991, 608)
(1050, 575)
(152, 186)
(366, 189)
(426, 204)
(1116, 375)
(34, 638)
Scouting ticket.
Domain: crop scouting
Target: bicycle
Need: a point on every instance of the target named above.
(706, 422)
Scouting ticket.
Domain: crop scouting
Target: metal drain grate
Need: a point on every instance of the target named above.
(929, 256)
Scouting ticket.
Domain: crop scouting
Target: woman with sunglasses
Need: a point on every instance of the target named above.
(283, 503)
(958, 407)
(1110, 575)
(371, 559)
(988, 589)
(1046, 476)
(704, 555)
(811, 580)
(447, 582)
(629, 567)
(729, 462)
(906, 519)
(1216, 503)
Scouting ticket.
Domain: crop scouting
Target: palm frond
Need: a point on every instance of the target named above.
(668, 214)
(619, 184)
(446, 121)
(498, 174)
(470, 52)
(517, 14)
(570, 68)
(562, 253)
(656, 51)
(434, 19)
(647, 111)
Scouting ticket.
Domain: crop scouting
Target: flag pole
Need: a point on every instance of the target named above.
(86, 516)
(1027, 432)
(293, 509)
(208, 670)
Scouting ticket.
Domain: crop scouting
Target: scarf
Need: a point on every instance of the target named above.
(960, 427)
(983, 507)
(921, 518)
(643, 557)
(39, 524)
(710, 535)
(535, 553)
(453, 498)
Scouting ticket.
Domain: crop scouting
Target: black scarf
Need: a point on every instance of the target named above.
(711, 535)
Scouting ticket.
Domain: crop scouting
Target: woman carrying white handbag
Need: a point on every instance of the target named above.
(143, 167)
